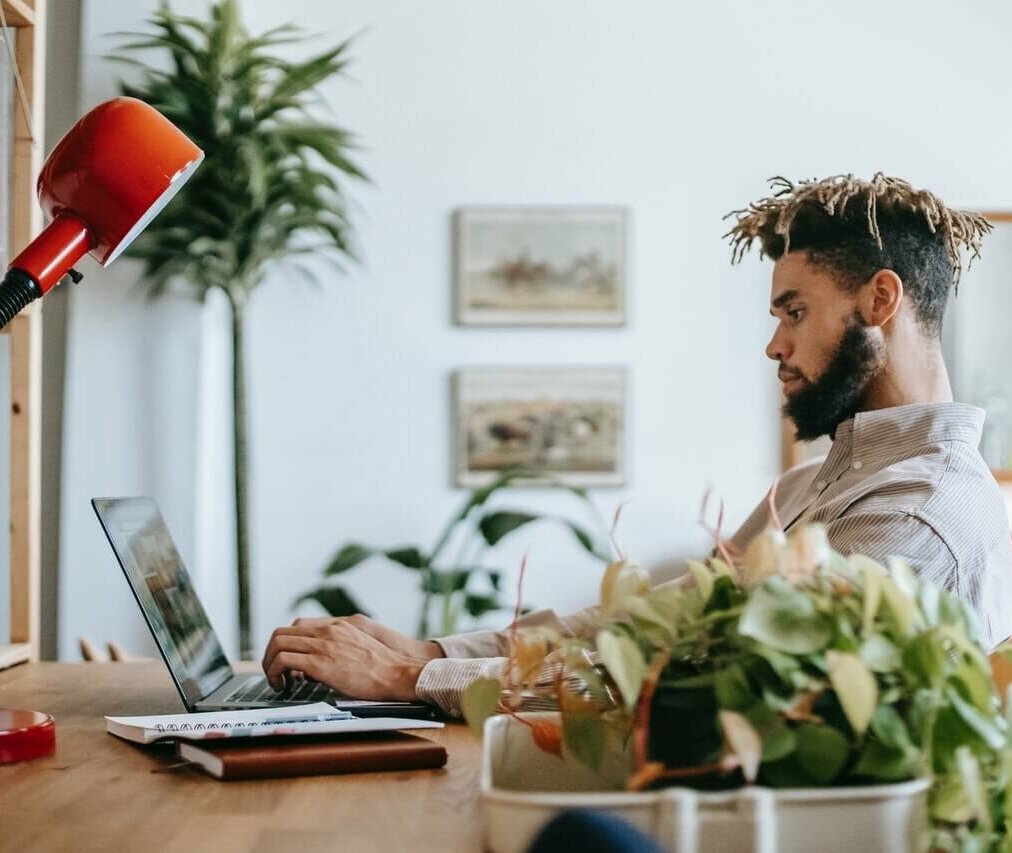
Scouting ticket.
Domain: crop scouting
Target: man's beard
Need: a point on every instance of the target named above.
(820, 406)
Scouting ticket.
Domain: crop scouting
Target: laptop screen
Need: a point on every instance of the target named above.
(163, 590)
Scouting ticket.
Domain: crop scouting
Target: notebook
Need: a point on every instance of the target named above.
(362, 753)
(317, 719)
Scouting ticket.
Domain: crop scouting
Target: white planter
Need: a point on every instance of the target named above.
(522, 788)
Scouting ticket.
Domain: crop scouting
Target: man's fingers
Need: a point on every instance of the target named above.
(304, 621)
(285, 661)
(280, 644)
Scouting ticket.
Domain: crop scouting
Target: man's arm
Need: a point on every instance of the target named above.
(493, 644)
(897, 533)
(361, 658)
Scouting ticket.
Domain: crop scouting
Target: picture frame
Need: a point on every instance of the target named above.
(541, 266)
(566, 423)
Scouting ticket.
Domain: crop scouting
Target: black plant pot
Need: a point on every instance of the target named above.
(682, 733)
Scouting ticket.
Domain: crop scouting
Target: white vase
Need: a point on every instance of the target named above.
(523, 787)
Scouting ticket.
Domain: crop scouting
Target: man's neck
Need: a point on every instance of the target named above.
(910, 380)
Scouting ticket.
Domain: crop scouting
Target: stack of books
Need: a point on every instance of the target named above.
(301, 741)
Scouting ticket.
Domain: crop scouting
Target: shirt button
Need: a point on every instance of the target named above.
(820, 485)
(857, 466)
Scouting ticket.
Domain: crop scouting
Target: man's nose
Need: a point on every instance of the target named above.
(778, 349)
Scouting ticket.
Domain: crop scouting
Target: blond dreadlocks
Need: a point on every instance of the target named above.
(770, 219)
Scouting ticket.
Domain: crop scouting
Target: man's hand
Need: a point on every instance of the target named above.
(353, 655)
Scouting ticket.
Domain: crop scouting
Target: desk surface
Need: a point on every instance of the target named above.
(98, 792)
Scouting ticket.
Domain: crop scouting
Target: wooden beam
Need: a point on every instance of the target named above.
(26, 348)
(18, 13)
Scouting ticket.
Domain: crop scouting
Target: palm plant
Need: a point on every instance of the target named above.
(272, 181)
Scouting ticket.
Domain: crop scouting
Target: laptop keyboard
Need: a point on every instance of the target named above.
(303, 691)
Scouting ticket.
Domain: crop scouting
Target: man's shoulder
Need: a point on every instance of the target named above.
(950, 489)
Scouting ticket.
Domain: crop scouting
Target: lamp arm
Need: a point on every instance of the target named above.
(42, 264)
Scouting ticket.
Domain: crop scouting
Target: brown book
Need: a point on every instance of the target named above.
(262, 758)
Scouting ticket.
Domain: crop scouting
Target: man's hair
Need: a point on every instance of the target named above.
(853, 228)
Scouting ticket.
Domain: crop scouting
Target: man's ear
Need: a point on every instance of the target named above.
(880, 298)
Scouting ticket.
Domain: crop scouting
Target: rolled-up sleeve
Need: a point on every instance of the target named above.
(443, 681)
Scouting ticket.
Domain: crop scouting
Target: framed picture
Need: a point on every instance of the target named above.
(541, 266)
(565, 422)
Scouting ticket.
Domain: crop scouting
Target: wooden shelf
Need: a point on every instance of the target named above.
(19, 13)
(25, 336)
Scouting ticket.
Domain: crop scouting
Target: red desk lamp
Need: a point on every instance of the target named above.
(104, 182)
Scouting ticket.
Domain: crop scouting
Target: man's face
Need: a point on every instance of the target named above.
(826, 354)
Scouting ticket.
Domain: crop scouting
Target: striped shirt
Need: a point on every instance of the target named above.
(906, 481)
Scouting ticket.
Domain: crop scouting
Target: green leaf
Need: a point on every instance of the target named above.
(347, 558)
(702, 577)
(624, 662)
(480, 701)
(584, 538)
(480, 496)
(647, 619)
(872, 574)
(988, 728)
(443, 583)
(901, 607)
(583, 736)
(411, 558)
(784, 618)
(822, 752)
(479, 605)
(855, 688)
(973, 784)
(335, 600)
(726, 594)
(732, 688)
(977, 686)
(924, 658)
(497, 525)
(885, 764)
(929, 598)
(889, 728)
(950, 800)
(879, 655)
(778, 743)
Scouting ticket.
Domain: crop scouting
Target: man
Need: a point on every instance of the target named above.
(861, 279)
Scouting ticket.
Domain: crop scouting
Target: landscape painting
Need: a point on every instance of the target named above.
(563, 424)
(541, 266)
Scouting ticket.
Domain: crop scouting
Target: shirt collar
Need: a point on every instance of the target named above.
(881, 436)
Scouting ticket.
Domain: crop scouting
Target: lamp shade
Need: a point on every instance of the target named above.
(104, 182)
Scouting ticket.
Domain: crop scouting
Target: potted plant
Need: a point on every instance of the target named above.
(787, 668)
(449, 569)
(271, 189)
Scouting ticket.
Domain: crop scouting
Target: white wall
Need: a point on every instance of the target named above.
(680, 111)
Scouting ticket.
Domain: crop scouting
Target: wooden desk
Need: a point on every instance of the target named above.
(98, 792)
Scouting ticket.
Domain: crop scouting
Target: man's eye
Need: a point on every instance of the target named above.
(796, 314)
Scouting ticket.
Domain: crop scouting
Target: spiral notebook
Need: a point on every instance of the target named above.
(316, 719)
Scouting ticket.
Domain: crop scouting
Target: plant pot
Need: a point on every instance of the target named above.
(523, 787)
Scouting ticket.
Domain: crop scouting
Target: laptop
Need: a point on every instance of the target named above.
(184, 636)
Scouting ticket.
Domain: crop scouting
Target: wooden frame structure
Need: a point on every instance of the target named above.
(25, 331)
